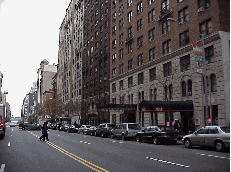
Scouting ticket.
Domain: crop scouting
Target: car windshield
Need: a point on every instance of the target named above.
(134, 126)
(225, 129)
(88, 126)
(111, 125)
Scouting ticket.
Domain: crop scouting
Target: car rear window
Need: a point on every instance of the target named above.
(225, 129)
(88, 126)
(134, 126)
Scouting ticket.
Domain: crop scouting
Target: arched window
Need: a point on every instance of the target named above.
(213, 83)
(183, 86)
(189, 87)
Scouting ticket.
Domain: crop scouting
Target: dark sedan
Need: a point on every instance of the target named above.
(91, 131)
(158, 135)
(31, 127)
(73, 129)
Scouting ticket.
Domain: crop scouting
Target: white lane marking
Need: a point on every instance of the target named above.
(160, 160)
(213, 156)
(12, 129)
(81, 141)
(9, 144)
(89, 143)
(2, 168)
(58, 135)
(11, 135)
(121, 142)
(85, 142)
(113, 141)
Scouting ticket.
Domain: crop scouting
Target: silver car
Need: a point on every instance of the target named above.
(216, 136)
(125, 130)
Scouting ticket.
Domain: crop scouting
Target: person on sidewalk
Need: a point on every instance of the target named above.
(44, 132)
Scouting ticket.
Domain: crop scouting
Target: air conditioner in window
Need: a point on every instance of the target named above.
(200, 9)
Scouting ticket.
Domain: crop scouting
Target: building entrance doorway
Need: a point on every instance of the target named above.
(187, 122)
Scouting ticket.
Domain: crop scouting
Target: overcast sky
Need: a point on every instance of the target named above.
(29, 33)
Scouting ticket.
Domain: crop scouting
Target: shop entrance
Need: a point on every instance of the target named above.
(187, 122)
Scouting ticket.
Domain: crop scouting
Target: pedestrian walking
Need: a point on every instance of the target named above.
(44, 132)
(177, 125)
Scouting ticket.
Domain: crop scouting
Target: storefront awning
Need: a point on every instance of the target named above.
(117, 107)
(165, 106)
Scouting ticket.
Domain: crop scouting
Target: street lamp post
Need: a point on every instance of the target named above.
(204, 70)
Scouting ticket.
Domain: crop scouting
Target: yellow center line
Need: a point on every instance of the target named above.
(73, 156)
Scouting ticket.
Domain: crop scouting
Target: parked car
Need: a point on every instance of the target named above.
(83, 129)
(73, 129)
(91, 131)
(66, 126)
(31, 127)
(157, 135)
(104, 130)
(215, 136)
(125, 130)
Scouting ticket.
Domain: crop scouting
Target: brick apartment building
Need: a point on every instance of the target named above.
(96, 53)
(152, 60)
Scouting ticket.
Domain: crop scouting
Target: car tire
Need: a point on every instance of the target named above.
(138, 139)
(91, 134)
(219, 146)
(155, 141)
(123, 137)
(95, 134)
(102, 135)
(112, 136)
(187, 143)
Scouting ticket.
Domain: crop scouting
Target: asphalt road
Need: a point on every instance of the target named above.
(22, 151)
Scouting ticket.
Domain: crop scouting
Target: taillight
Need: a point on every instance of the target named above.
(126, 132)
(1, 124)
(105, 129)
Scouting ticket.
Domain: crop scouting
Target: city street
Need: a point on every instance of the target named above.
(22, 151)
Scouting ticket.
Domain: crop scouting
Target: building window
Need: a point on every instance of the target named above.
(140, 59)
(140, 42)
(113, 100)
(167, 69)
(185, 63)
(139, 25)
(121, 67)
(152, 74)
(114, 30)
(184, 38)
(166, 47)
(165, 5)
(209, 55)
(130, 48)
(183, 87)
(183, 15)
(130, 82)
(114, 43)
(151, 16)
(129, 32)
(113, 72)
(121, 37)
(130, 64)
(206, 27)
(121, 9)
(203, 5)
(114, 87)
(189, 87)
(150, 2)
(114, 16)
(121, 53)
(113, 58)
(151, 34)
(152, 54)
(121, 23)
(139, 8)
(170, 89)
(213, 83)
(165, 27)
(121, 85)
(129, 16)
(129, 3)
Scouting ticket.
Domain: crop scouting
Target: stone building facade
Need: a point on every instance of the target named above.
(69, 75)
(152, 59)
